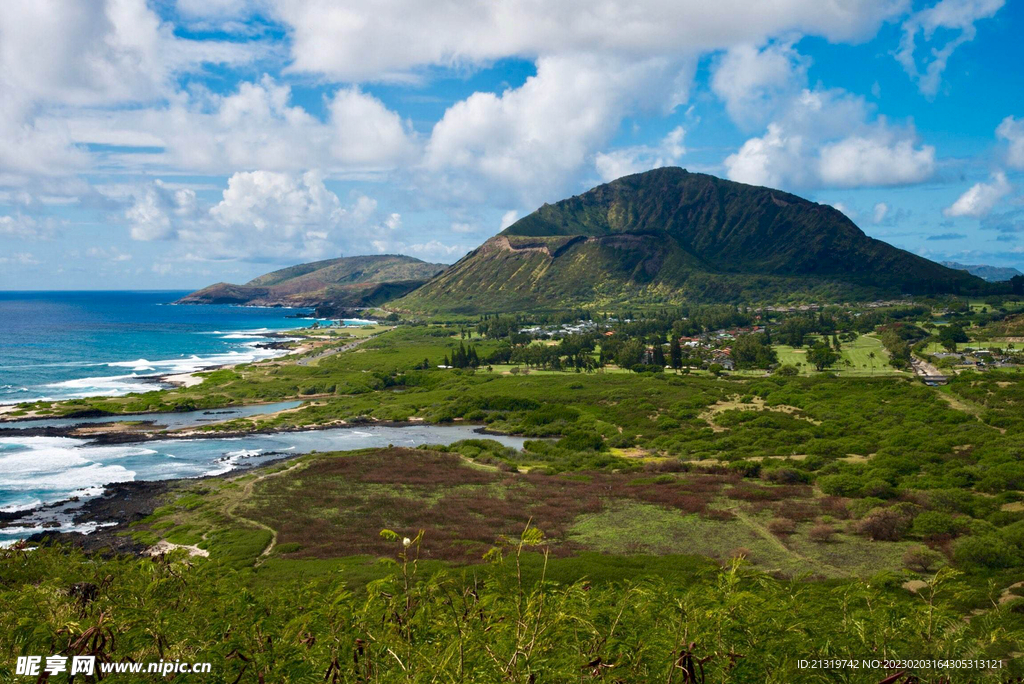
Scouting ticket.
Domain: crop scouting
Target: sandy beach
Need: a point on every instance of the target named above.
(183, 379)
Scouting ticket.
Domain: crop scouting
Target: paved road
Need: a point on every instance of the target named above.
(928, 371)
(305, 361)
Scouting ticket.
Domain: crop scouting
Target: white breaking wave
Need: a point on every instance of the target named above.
(20, 533)
(249, 351)
(27, 506)
(59, 465)
(119, 385)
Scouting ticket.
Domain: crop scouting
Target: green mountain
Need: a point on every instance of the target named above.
(668, 235)
(334, 284)
(993, 274)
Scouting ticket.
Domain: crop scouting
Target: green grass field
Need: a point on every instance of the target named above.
(858, 353)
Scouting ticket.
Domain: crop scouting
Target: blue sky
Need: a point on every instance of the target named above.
(169, 144)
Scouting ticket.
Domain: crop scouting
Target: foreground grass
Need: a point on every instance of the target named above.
(515, 619)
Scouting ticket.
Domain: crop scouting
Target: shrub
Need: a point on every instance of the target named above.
(988, 551)
(1014, 534)
(884, 524)
(840, 485)
(581, 441)
(787, 370)
(821, 533)
(835, 507)
(781, 527)
(878, 488)
(936, 524)
(785, 476)
(861, 507)
(921, 558)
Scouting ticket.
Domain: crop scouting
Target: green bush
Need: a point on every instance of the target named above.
(987, 552)
(938, 523)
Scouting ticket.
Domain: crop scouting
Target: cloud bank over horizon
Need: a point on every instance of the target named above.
(167, 144)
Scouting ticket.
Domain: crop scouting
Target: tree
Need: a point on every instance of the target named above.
(821, 356)
(951, 335)
(630, 354)
(753, 351)
(676, 353)
(793, 331)
(659, 355)
(899, 350)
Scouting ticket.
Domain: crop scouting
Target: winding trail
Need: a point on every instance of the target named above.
(246, 493)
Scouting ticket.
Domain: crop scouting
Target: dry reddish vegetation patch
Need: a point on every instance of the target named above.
(337, 505)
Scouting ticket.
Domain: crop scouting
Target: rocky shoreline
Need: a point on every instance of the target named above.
(111, 513)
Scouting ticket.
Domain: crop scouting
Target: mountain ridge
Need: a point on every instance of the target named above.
(992, 274)
(669, 235)
(330, 284)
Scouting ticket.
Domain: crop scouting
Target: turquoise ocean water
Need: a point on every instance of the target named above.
(62, 345)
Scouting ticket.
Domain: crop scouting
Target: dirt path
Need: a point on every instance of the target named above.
(968, 408)
(244, 495)
(761, 531)
(163, 546)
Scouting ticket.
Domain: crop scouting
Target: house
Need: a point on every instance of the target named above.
(723, 357)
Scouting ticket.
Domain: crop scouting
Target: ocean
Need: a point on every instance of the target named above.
(63, 345)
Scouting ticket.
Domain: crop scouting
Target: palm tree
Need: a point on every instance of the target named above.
(871, 357)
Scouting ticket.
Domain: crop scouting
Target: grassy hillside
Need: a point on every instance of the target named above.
(667, 236)
(345, 282)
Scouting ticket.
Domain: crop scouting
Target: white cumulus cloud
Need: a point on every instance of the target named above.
(508, 218)
(533, 137)
(381, 39)
(882, 157)
(156, 209)
(948, 15)
(627, 160)
(366, 133)
(261, 215)
(85, 54)
(879, 213)
(25, 227)
(981, 198)
(751, 80)
(828, 137)
(1012, 131)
